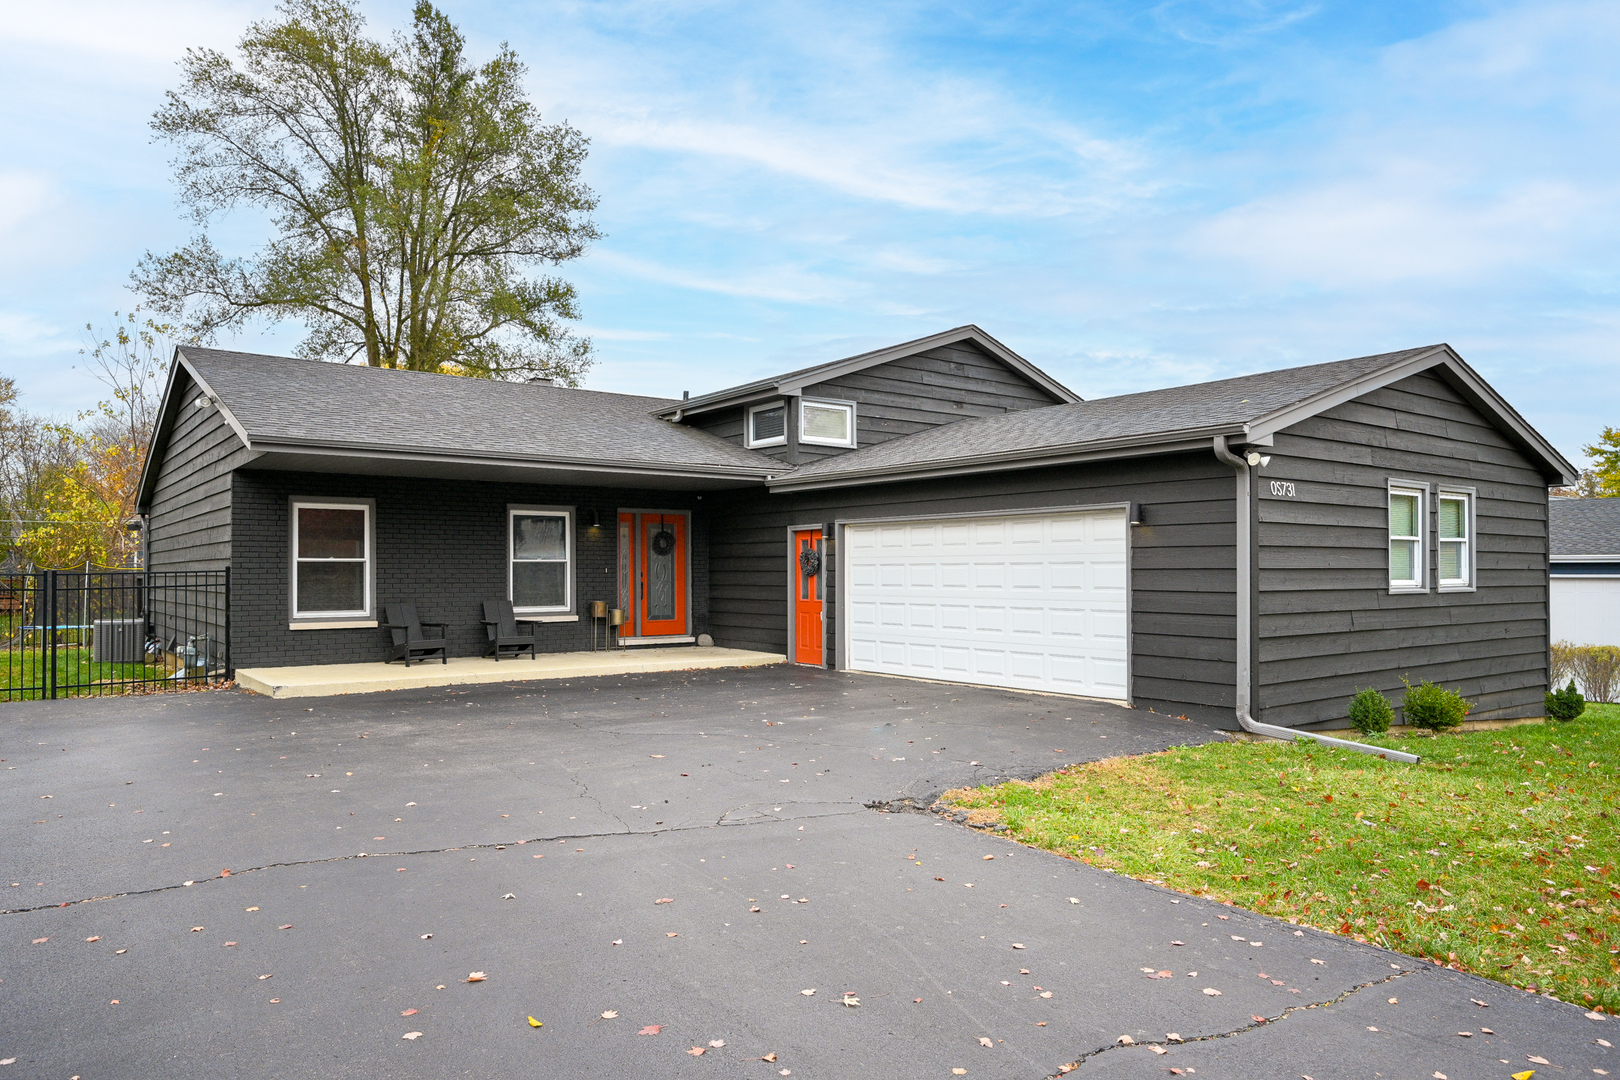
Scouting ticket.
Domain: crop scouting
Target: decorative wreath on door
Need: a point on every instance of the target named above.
(810, 562)
(663, 542)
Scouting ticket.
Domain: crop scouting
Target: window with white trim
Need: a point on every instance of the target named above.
(331, 555)
(540, 546)
(1406, 538)
(1456, 539)
(827, 423)
(767, 424)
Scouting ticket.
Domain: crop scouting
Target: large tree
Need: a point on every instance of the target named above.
(413, 197)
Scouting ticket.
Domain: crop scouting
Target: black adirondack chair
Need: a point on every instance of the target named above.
(505, 633)
(410, 643)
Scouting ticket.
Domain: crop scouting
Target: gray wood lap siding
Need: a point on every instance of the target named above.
(1327, 624)
(1183, 609)
(190, 514)
(902, 397)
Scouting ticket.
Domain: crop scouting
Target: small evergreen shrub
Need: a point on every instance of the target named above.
(1432, 707)
(1565, 704)
(1370, 712)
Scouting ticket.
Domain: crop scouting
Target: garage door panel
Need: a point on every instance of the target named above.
(1039, 603)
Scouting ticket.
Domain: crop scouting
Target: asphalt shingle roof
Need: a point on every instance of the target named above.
(278, 399)
(1129, 417)
(1584, 526)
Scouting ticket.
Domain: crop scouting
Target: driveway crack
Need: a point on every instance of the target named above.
(1233, 1033)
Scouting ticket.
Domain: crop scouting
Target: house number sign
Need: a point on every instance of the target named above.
(1283, 489)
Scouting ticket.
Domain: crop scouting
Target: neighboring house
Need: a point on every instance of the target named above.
(1274, 541)
(1585, 570)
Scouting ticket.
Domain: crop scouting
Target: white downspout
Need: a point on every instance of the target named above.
(1245, 623)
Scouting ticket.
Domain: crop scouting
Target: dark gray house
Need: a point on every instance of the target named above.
(939, 509)
(1585, 568)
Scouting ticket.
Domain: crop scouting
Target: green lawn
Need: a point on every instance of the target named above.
(76, 673)
(1496, 854)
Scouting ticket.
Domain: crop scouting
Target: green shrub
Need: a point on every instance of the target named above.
(1433, 707)
(1370, 712)
(1565, 704)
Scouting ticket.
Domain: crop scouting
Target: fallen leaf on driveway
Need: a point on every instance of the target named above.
(988, 857)
(1439, 1076)
(1126, 1040)
(958, 1072)
(1158, 1050)
(8, 1061)
(196, 929)
(986, 1042)
(96, 938)
(289, 926)
(1173, 1037)
(1465, 1034)
(672, 934)
(227, 945)
(535, 1023)
(411, 1035)
(807, 993)
(651, 1029)
(264, 977)
(41, 940)
(1319, 962)
(1534, 1060)
(611, 1014)
(1211, 993)
(1018, 945)
(851, 1000)
(475, 976)
(409, 1012)
(1526, 1075)
(717, 1043)
(769, 1057)
(697, 1051)
(1178, 943)
(1488, 1031)
(1257, 1019)
(665, 900)
(1074, 899)
(1046, 993)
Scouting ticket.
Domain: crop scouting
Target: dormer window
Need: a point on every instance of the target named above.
(827, 423)
(767, 424)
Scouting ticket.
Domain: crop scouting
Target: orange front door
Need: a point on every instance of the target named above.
(652, 573)
(807, 597)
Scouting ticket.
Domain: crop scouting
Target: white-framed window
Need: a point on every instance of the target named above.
(540, 558)
(827, 423)
(767, 424)
(1456, 538)
(1406, 526)
(332, 572)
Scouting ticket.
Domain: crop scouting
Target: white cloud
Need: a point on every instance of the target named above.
(155, 31)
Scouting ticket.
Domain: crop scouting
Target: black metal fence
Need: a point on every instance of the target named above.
(70, 633)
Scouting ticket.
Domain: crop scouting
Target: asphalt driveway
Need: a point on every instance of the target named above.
(690, 853)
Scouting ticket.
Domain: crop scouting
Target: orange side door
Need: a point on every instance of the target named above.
(808, 625)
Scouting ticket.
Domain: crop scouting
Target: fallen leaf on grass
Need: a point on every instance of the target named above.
(651, 1029)
(986, 1042)
(475, 976)
(411, 1035)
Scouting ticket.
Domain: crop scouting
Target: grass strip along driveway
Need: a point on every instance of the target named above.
(1496, 855)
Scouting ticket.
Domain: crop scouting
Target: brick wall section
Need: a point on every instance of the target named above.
(441, 544)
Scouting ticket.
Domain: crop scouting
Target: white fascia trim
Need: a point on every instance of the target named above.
(1583, 558)
(993, 463)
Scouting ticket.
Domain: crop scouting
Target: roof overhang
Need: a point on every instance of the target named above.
(1462, 378)
(427, 464)
(1097, 450)
(168, 414)
(795, 382)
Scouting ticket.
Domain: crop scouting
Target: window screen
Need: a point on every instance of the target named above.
(540, 560)
(330, 556)
(767, 425)
(1456, 564)
(1405, 539)
(825, 423)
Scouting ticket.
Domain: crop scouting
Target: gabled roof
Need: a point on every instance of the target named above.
(1584, 529)
(794, 382)
(1250, 407)
(293, 412)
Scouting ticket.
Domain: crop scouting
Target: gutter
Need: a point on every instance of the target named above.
(1245, 619)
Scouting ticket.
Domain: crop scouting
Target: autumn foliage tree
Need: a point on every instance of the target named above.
(413, 195)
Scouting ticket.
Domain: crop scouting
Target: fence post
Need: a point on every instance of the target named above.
(230, 672)
(50, 629)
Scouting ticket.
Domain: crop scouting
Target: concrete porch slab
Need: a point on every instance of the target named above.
(326, 680)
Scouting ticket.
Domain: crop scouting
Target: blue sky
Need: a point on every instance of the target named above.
(1130, 195)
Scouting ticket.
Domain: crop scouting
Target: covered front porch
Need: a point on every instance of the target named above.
(326, 680)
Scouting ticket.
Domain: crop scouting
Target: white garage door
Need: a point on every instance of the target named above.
(1034, 601)
(1585, 610)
